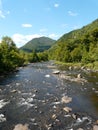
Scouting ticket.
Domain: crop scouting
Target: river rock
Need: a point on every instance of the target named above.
(49, 126)
(79, 76)
(96, 122)
(66, 99)
(54, 116)
(67, 109)
(21, 127)
(80, 129)
(72, 79)
(56, 72)
(70, 67)
(74, 116)
(95, 127)
(14, 91)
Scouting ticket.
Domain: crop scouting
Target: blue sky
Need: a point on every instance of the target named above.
(23, 20)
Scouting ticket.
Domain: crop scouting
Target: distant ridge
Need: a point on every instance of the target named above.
(38, 44)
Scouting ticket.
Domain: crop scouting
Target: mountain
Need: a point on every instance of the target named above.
(78, 45)
(38, 44)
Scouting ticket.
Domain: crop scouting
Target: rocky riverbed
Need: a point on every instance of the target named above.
(36, 98)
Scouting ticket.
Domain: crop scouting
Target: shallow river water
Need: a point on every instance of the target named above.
(45, 101)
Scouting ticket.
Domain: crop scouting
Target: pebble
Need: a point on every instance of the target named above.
(79, 76)
(54, 116)
(74, 116)
(67, 109)
(14, 91)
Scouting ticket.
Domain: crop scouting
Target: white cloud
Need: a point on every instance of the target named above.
(72, 13)
(56, 5)
(21, 39)
(27, 25)
(1, 14)
(54, 36)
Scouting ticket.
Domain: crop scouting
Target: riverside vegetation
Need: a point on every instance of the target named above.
(79, 47)
(10, 57)
(76, 48)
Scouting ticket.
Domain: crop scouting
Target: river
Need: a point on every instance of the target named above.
(45, 101)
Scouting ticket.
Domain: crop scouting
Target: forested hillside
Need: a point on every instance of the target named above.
(38, 44)
(78, 45)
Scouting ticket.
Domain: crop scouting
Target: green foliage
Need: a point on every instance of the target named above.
(76, 54)
(37, 57)
(77, 46)
(43, 56)
(34, 57)
(10, 58)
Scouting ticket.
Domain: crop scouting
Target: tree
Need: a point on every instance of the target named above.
(76, 54)
(10, 57)
(43, 56)
(34, 57)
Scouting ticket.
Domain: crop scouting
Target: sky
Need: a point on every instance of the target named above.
(23, 20)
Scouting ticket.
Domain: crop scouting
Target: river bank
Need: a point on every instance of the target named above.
(89, 66)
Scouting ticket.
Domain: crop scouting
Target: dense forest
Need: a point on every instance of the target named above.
(77, 46)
